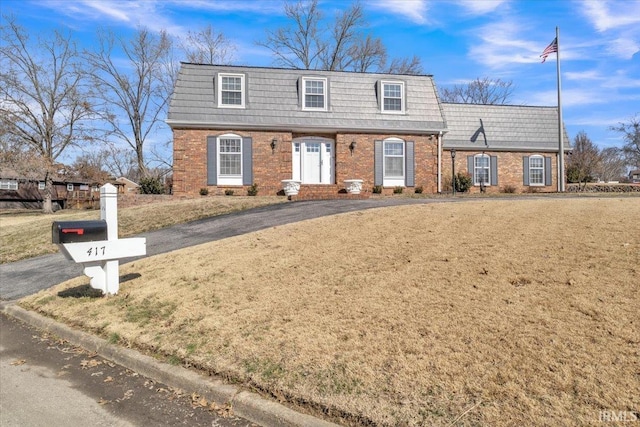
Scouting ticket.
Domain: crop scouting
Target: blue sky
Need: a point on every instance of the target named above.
(457, 41)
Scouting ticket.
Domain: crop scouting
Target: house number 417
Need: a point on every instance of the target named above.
(96, 251)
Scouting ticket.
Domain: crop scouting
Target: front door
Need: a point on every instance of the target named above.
(313, 161)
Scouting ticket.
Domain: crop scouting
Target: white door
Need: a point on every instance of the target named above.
(313, 161)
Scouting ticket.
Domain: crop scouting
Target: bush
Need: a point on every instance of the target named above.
(253, 190)
(228, 192)
(419, 190)
(151, 185)
(509, 189)
(398, 190)
(463, 182)
(204, 191)
(377, 189)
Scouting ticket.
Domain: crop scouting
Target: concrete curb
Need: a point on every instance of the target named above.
(247, 405)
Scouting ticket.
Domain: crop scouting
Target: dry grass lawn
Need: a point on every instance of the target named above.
(25, 235)
(492, 312)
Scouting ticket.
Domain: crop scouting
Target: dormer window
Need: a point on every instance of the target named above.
(231, 90)
(392, 97)
(314, 91)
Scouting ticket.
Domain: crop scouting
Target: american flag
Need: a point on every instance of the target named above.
(553, 47)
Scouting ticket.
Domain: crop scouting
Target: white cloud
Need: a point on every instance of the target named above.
(481, 7)
(413, 10)
(623, 47)
(606, 15)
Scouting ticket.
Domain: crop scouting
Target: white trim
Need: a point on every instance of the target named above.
(487, 183)
(8, 184)
(394, 181)
(325, 93)
(228, 179)
(69, 187)
(243, 95)
(42, 185)
(536, 184)
(402, 96)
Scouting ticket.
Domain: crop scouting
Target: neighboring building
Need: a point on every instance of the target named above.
(127, 186)
(504, 146)
(634, 176)
(236, 126)
(20, 192)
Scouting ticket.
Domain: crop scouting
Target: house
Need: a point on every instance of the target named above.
(17, 191)
(126, 186)
(503, 146)
(634, 176)
(234, 126)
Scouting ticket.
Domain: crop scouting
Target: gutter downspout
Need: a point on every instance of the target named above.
(440, 162)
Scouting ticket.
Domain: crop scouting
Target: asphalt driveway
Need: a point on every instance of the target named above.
(26, 277)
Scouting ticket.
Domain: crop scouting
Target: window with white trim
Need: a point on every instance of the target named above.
(536, 170)
(315, 93)
(481, 169)
(392, 97)
(69, 187)
(231, 93)
(41, 185)
(8, 184)
(229, 160)
(394, 161)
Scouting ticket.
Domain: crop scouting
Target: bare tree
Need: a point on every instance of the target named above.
(134, 92)
(307, 43)
(631, 136)
(43, 101)
(480, 91)
(208, 47)
(583, 163)
(297, 46)
(612, 164)
(405, 66)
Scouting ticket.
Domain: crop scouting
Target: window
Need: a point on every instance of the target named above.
(41, 185)
(481, 171)
(69, 187)
(392, 97)
(315, 94)
(536, 170)
(231, 92)
(8, 184)
(230, 160)
(393, 162)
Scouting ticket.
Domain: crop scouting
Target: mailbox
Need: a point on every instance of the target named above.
(78, 231)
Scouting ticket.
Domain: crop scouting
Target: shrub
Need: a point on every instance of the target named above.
(509, 189)
(253, 190)
(463, 182)
(228, 192)
(204, 191)
(151, 185)
(377, 189)
(398, 190)
(419, 190)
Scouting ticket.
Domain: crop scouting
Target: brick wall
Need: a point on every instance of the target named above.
(510, 171)
(270, 168)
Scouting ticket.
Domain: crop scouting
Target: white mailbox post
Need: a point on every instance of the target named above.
(101, 257)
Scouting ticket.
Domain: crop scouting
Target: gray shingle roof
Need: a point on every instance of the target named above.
(502, 127)
(273, 102)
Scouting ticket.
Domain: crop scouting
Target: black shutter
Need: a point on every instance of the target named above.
(410, 170)
(547, 171)
(378, 163)
(212, 160)
(494, 170)
(525, 170)
(470, 169)
(247, 161)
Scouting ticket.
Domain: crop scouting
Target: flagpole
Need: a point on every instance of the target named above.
(560, 133)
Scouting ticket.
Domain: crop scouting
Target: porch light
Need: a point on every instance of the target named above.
(273, 145)
(352, 147)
